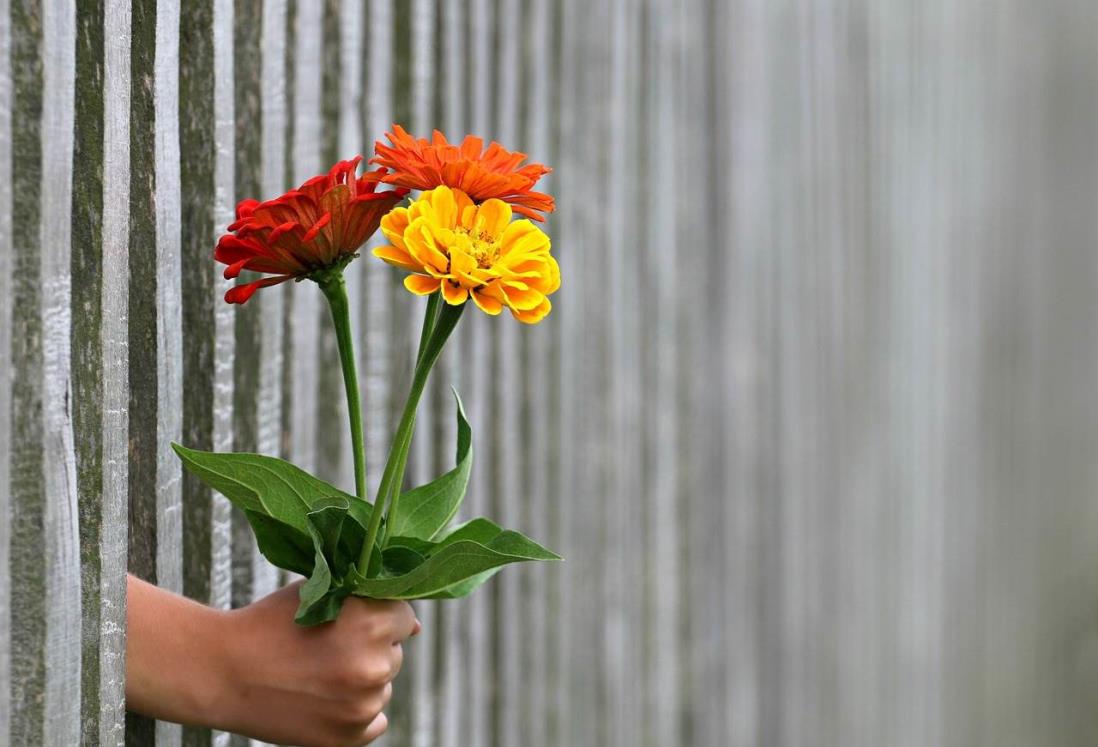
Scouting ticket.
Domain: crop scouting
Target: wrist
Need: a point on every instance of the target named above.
(219, 692)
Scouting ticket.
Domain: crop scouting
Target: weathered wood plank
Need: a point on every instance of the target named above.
(405, 314)
(155, 331)
(206, 182)
(7, 367)
(475, 358)
(97, 339)
(537, 403)
(114, 311)
(60, 542)
(452, 620)
(427, 448)
(247, 35)
(26, 566)
(567, 304)
(321, 22)
(274, 182)
(505, 438)
(224, 211)
(306, 303)
(144, 400)
(352, 141)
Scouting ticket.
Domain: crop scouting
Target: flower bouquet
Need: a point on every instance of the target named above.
(459, 241)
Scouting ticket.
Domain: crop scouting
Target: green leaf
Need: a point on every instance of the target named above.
(281, 544)
(334, 540)
(426, 510)
(468, 552)
(400, 560)
(465, 588)
(268, 486)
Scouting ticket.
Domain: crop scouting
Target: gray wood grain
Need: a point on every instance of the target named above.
(476, 349)
(452, 620)
(25, 564)
(7, 365)
(429, 445)
(114, 310)
(61, 539)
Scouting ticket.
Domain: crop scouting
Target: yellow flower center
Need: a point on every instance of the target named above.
(484, 247)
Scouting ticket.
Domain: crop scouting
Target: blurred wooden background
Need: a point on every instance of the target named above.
(813, 420)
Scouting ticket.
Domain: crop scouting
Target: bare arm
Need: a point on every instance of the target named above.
(255, 672)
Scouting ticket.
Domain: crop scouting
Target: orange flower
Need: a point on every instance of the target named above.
(319, 225)
(493, 173)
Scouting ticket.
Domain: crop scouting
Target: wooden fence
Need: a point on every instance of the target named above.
(812, 421)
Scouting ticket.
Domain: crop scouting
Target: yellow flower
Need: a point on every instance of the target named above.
(472, 250)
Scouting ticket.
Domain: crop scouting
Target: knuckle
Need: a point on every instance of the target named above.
(375, 672)
(363, 711)
(386, 696)
(369, 673)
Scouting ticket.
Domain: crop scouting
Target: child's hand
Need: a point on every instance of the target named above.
(253, 671)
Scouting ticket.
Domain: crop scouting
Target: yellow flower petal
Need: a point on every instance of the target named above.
(455, 295)
(486, 303)
(393, 224)
(446, 209)
(533, 316)
(396, 256)
(520, 299)
(420, 242)
(492, 218)
(421, 285)
(522, 237)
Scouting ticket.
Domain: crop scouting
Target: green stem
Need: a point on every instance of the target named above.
(335, 290)
(391, 479)
(430, 317)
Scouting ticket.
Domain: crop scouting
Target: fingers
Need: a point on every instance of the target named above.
(389, 619)
(396, 658)
(376, 728)
(405, 623)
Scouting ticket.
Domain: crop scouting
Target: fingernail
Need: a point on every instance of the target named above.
(418, 627)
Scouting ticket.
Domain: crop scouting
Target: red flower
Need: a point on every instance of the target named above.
(495, 172)
(319, 225)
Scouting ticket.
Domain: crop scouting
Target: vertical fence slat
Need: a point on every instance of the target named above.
(224, 211)
(7, 365)
(247, 33)
(568, 694)
(142, 335)
(61, 546)
(475, 358)
(535, 415)
(26, 566)
(268, 390)
(322, 51)
(505, 438)
(351, 141)
(376, 396)
(114, 311)
(305, 305)
(99, 387)
(155, 331)
(453, 618)
(206, 150)
(427, 447)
